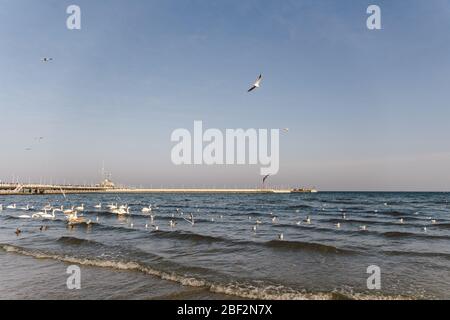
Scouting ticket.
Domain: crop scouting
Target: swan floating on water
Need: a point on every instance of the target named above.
(11, 206)
(147, 209)
(69, 211)
(98, 206)
(281, 237)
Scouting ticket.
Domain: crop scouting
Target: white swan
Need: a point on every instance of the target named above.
(11, 206)
(112, 206)
(38, 215)
(25, 216)
(74, 219)
(281, 237)
(80, 208)
(48, 215)
(147, 209)
(338, 225)
(98, 206)
(27, 208)
(121, 211)
(363, 228)
(61, 209)
(69, 211)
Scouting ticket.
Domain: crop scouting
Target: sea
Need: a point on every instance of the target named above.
(325, 245)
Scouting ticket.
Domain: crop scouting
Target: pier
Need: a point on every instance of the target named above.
(41, 189)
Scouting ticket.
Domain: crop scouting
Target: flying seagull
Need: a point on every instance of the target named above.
(256, 84)
(47, 59)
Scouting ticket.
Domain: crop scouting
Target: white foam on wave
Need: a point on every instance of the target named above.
(246, 291)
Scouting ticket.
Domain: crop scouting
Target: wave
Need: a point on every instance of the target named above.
(186, 235)
(238, 289)
(307, 246)
(442, 225)
(394, 213)
(418, 254)
(299, 207)
(77, 241)
(399, 234)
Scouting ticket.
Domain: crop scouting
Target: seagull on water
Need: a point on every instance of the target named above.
(257, 83)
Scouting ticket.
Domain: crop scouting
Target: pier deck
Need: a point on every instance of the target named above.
(40, 189)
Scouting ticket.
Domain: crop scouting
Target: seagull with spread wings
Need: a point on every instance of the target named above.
(256, 84)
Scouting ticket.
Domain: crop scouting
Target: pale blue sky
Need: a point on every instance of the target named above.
(367, 110)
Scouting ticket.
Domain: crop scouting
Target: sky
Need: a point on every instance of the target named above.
(366, 109)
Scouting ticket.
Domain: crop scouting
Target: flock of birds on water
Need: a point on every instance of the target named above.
(74, 216)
